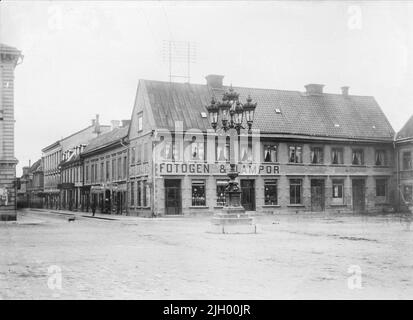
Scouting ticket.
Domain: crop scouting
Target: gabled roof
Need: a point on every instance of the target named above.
(106, 139)
(406, 131)
(326, 115)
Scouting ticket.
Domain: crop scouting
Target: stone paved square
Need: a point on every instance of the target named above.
(292, 256)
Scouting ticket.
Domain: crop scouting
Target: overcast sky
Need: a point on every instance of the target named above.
(84, 58)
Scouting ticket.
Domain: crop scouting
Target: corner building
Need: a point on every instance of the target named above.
(309, 151)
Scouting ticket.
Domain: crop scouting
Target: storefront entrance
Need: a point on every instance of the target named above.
(359, 200)
(173, 202)
(248, 194)
(317, 195)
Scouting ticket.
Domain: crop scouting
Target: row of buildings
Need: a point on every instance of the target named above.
(309, 151)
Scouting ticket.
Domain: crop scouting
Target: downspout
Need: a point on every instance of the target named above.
(127, 178)
(153, 214)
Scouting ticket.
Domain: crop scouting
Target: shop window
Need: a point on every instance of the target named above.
(381, 187)
(407, 160)
(317, 155)
(338, 192)
(295, 191)
(221, 185)
(295, 154)
(270, 192)
(337, 156)
(198, 193)
(358, 157)
(270, 153)
(381, 158)
(408, 193)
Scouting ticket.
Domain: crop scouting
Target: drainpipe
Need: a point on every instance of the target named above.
(153, 174)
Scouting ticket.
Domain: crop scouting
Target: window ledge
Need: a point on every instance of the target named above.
(218, 207)
(296, 164)
(271, 206)
(296, 205)
(198, 207)
(359, 165)
(316, 164)
(338, 205)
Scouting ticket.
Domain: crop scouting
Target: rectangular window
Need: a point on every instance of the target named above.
(338, 192)
(222, 150)
(132, 193)
(125, 166)
(408, 193)
(144, 195)
(198, 193)
(337, 156)
(92, 174)
(140, 122)
(119, 168)
(197, 148)
(295, 191)
(132, 154)
(270, 192)
(113, 169)
(102, 171)
(221, 185)
(139, 191)
(381, 187)
(246, 152)
(138, 153)
(107, 170)
(358, 157)
(295, 154)
(145, 152)
(381, 158)
(167, 150)
(270, 153)
(407, 160)
(317, 155)
(87, 173)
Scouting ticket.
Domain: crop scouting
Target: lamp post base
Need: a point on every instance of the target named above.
(233, 220)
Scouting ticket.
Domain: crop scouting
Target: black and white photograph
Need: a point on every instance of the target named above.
(206, 150)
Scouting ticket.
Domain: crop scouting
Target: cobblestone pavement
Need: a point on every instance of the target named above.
(292, 256)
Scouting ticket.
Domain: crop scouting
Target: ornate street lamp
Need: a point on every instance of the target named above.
(232, 113)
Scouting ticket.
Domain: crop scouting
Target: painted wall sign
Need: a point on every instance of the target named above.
(170, 168)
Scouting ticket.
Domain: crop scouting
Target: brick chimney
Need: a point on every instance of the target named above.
(314, 89)
(115, 124)
(215, 81)
(125, 123)
(344, 91)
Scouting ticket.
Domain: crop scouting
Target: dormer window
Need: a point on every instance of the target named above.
(140, 121)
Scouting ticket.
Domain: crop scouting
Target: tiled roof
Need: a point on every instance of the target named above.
(106, 139)
(406, 131)
(326, 115)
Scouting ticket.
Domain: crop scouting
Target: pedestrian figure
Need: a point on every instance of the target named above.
(93, 208)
